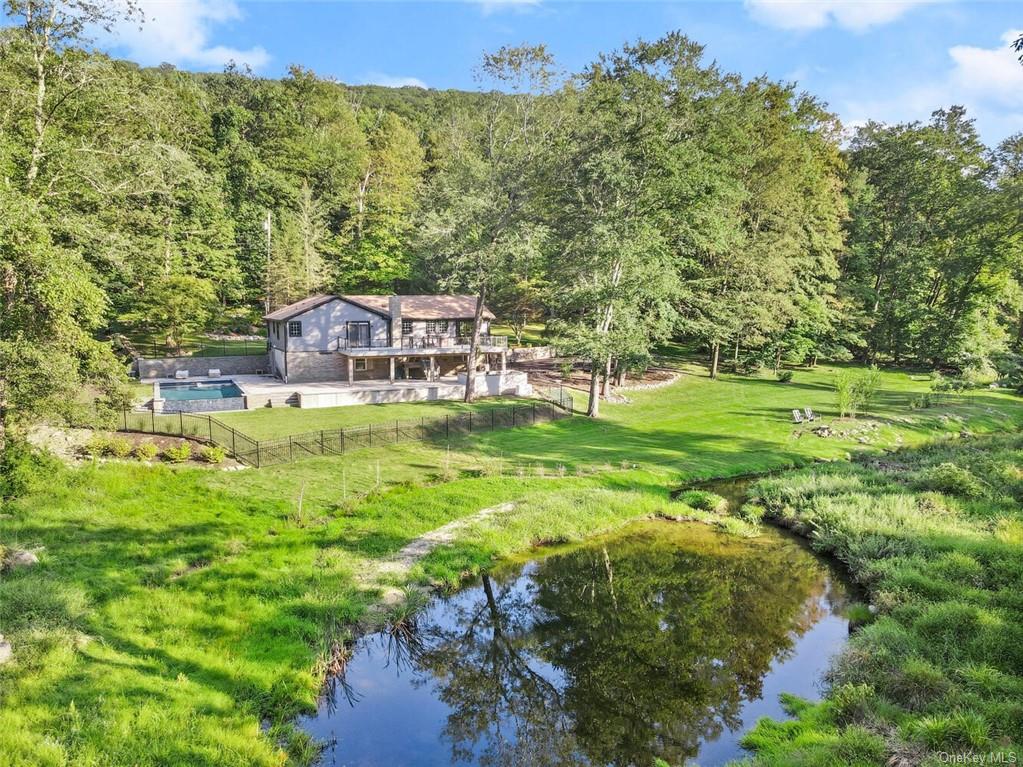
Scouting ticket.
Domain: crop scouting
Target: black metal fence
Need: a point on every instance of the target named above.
(225, 348)
(269, 452)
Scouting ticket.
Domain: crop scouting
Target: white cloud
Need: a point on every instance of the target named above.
(990, 74)
(180, 32)
(392, 81)
(494, 6)
(987, 81)
(857, 15)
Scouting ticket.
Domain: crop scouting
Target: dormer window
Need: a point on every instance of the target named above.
(436, 327)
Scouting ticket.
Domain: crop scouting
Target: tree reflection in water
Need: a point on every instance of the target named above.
(639, 646)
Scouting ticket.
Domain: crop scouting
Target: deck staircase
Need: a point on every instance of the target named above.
(284, 399)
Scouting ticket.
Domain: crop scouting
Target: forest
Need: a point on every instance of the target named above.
(650, 196)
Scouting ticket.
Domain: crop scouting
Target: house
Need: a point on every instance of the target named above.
(379, 338)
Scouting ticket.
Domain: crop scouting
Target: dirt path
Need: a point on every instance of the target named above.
(383, 574)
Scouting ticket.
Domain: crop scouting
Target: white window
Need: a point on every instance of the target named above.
(295, 329)
(360, 364)
(436, 327)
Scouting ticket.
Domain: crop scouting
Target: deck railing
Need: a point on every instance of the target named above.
(555, 404)
(428, 342)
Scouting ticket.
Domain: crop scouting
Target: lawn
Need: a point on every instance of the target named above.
(532, 335)
(175, 610)
(267, 423)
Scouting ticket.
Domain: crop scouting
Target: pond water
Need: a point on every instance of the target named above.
(664, 640)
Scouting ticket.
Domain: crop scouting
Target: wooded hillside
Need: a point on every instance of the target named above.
(651, 195)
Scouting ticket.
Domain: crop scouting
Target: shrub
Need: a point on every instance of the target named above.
(118, 447)
(784, 376)
(212, 454)
(851, 702)
(749, 365)
(97, 445)
(704, 500)
(566, 369)
(854, 392)
(178, 453)
(146, 451)
(952, 479)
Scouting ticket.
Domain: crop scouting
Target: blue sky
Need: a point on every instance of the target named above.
(890, 61)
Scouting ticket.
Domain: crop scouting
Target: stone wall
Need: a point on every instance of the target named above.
(198, 367)
(526, 353)
(203, 405)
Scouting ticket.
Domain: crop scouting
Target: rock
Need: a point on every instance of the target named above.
(20, 559)
(6, 653)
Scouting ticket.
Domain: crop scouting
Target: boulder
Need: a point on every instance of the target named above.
(20, 558)
(6, 653)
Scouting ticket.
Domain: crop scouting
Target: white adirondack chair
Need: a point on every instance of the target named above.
(797, 417)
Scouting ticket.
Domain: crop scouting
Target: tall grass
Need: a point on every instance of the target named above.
(939, 668)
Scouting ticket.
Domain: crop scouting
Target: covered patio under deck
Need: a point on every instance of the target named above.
(432, 362)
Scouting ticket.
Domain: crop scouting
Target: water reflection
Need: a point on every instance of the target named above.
(665, 641)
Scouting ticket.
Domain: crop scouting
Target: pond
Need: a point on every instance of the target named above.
(663, 640)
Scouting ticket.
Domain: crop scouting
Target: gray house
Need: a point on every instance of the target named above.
(378, 338)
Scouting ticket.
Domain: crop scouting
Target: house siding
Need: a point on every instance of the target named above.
(322, 326)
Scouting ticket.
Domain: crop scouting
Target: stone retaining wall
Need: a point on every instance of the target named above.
(198, 367)
(526, 353)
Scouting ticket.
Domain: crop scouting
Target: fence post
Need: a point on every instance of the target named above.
(447, 427)
(395, 431)
(514, 408)
(124, 417)
(152, 419)
(234, 447)
(291, 449)
(257, 454)
(493, 415)
(342, 440)
(470, 422)
(209, 421)
(371, 435)
(534, 412)
(181, 423)
(322, 448)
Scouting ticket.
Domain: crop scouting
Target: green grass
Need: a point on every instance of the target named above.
(532, 335)
(936, 536)
(175, 609)
(196, 344)
(267, 423)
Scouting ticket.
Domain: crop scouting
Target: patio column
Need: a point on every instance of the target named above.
(351, 371)
(486, 363)
(504, 362)
(433, 368)
(391, 359)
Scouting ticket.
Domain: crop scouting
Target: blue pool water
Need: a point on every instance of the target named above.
(179, 390)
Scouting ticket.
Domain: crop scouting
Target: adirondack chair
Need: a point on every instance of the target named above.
(810, 416)
(797, 417)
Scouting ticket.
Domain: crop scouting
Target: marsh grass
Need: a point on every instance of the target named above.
(940, 666)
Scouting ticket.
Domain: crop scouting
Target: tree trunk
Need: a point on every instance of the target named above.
(593, 407)
(813, 360)
(715, 351)
(735, 357)
(38, 114)
(777, 360)
(474, 343)
(605, 383)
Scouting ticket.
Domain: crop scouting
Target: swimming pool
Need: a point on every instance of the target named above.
(182, 390)
(198, 396)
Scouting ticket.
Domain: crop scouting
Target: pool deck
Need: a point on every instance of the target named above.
(267, 391)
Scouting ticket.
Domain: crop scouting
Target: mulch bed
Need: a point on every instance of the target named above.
(548, 373)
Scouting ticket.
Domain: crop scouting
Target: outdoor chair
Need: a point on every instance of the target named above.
(213, 373)
(181, 374)
(810, 415)
(797, 417)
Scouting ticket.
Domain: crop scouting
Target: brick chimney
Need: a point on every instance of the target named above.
(394, 309)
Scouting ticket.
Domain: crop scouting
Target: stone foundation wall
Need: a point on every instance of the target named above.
(199, 367)
(311, 367)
